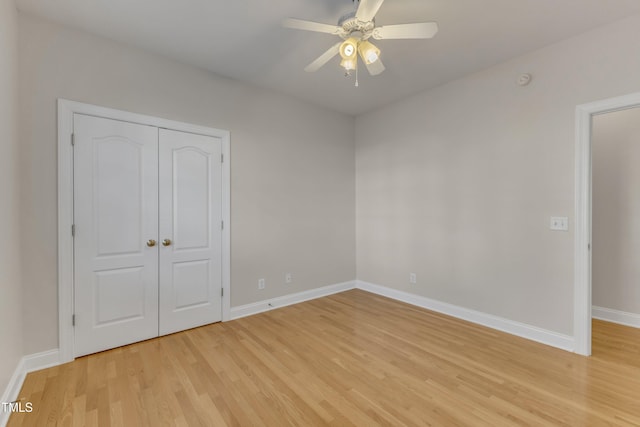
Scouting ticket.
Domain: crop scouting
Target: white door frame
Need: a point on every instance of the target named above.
(66, 110)
(582, 243)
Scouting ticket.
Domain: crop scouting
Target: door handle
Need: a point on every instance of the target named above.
(166, 242)
(151, 243)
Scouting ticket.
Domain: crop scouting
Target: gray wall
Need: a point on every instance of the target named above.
(616, 211)
(10, 284)
(457, 184)
(292, 183)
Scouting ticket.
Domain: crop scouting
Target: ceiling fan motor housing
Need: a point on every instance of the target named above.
(350, 24)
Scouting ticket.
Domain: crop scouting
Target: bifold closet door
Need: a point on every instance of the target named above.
(190, 230)
(116, 228)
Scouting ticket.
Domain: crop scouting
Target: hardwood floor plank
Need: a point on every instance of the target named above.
(79, 414)
(351, 359)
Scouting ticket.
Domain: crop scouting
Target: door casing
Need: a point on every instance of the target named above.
(582, 305)
(66, 110)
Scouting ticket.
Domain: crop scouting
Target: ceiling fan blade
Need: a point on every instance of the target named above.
(324, 58)
(422, 30)
(375, 68)
(299, 24)
(368, 9)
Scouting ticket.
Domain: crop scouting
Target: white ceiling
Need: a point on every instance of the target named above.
(244, 40)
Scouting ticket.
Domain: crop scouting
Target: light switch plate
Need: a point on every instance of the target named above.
(559, 223)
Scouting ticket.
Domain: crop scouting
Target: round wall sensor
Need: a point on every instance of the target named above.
(524, 79)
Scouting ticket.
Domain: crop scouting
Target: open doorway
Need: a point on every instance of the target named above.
(585, 115)
(615, 222)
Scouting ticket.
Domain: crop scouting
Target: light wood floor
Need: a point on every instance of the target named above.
(349, 359)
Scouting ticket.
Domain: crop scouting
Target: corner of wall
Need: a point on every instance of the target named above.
(11, 324)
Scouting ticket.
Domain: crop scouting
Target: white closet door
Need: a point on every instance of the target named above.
(116, 224)
(190, 230)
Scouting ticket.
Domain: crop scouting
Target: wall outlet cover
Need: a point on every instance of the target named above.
(559, 223)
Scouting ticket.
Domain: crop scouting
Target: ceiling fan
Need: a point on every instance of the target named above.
(355, 29)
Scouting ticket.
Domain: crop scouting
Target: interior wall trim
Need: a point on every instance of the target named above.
(616, 316)
(29, 363)
(533, 333)
(582, 295)
(283, 301)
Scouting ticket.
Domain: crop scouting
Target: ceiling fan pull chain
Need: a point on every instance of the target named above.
(356, 67)
(356, 70)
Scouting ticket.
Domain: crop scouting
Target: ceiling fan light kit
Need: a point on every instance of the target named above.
(368, 52)
(348, 64)
(349, 48)
(356, 29)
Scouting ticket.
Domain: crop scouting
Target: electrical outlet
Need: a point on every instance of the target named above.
(261, 284)
(412, 278)
(559, 223)
(288, 278)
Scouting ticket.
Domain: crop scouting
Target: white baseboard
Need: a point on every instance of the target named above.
(42, 360)
(554, 339)
(616, 316)
(270, 304)
(13, 389)
(29, 363)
